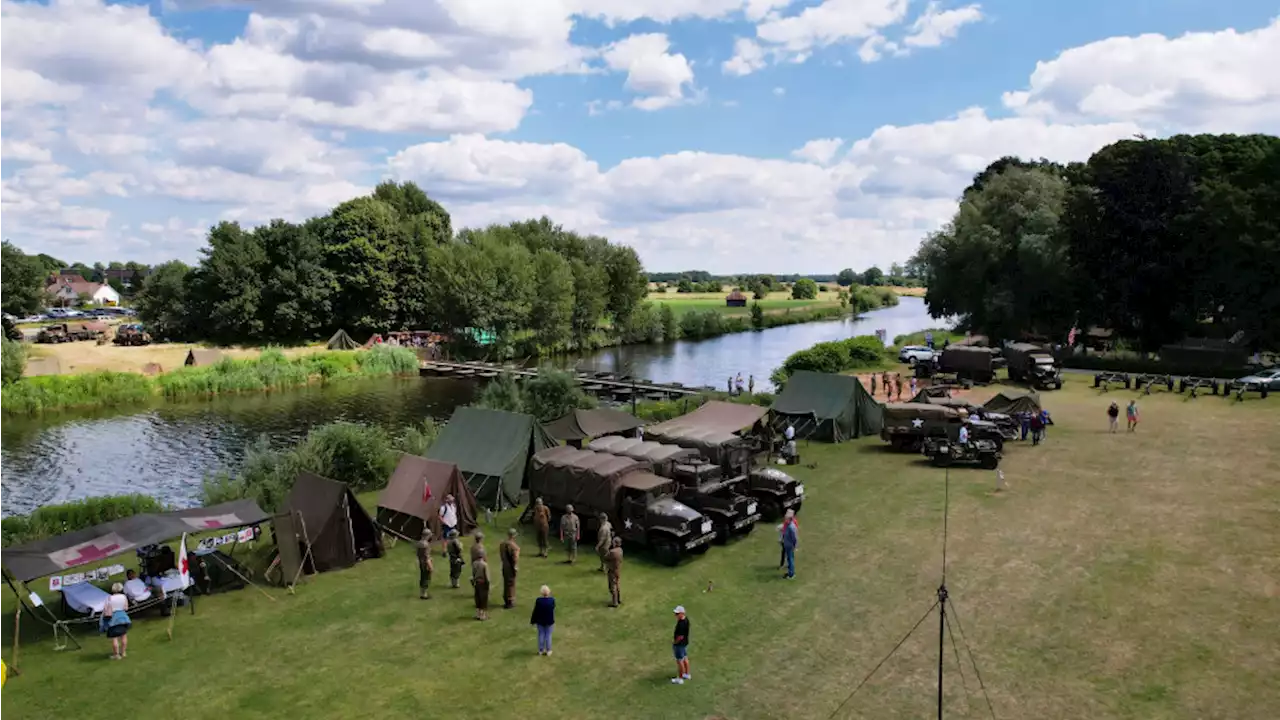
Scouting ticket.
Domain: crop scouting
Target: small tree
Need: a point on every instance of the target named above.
(14, 360)
(670, 328)
(684, 286)
(873, 276)
(804, 289)
(846, 277)
(83, 299)
(757, 316)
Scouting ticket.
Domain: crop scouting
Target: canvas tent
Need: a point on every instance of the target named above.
(587, 424)
(338, 529)
(1014, 401)
(822, 406)
(491, 448)
(342, 341)
(201, 358)
(404, 505)
(713, 417)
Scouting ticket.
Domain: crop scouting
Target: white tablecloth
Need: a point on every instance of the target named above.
(85, 597)
(137, 590)
(167, 583)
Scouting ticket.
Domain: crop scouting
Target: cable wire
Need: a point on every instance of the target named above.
(960, 626)
(927, 613)
(959, 664)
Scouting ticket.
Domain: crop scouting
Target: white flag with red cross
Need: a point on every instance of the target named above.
(184, 568)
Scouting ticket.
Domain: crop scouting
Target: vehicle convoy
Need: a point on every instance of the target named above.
(69, 332)
(702, 484)
(1033, 364)
(908, 425)
(970, 362)
(643, 507)
(132, 334)
(945, 452)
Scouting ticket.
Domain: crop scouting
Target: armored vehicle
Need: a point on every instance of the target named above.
(642, 506)
(1033, 364)
(970, 362)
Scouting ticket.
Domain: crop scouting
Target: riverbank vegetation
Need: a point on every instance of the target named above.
(270, 370)
(51, 520)
(1062, 586)
(1155, 240)
(864, 352)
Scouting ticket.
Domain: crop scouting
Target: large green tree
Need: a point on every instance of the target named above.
(22, 282)
(297, 288)
(627, 282)
(165, 304)
(362, 242)
(551, 317)
(226, 288)
(846, 277)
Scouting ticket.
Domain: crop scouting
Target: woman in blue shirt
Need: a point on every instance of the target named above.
(544, 618)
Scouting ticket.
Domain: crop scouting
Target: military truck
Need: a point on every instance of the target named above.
(945, 452)
(1006, 426)
(969, 362)
(1033, 364)
(642, 506)
(775, 491)
(132, 334)
(702, 483)
(908, 425)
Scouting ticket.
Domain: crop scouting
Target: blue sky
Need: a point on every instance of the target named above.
(731, 135)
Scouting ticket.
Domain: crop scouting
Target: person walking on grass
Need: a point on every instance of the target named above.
(1113, 417)
(680, 646)
(1131, 413)
(604, 538)
(1037, 428)
(424, 564)
(613, 563)
(544, 618)
(790, 539)
(115, 621)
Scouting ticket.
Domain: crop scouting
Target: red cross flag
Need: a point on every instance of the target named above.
(426, 492)
(184, 568)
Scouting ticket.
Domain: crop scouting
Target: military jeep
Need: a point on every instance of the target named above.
(945, 452)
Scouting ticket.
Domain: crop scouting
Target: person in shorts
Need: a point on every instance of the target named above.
(115, 622)
(1113, 417)
(680, 646)
(448, 520)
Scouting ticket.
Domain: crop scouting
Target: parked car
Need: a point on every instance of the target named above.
(912, 354)
(1269, 378)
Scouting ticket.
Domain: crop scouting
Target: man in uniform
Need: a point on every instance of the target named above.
(456, 562)
(542, 525)
(477, 548)
(604, 538)
(424, 564)
(509, 552)
(480, 581)
(570, 533)
(613, 562)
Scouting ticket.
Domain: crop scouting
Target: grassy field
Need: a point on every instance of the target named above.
(775, 303)
(1119, 576)
(87, 356)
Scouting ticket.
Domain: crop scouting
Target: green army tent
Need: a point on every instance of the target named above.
(342, 341)
(827, 407)
(1014, 401)
(491, 448)
(588, 424)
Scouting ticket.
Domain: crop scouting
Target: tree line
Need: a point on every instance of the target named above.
(391, 261)
(1157, 240)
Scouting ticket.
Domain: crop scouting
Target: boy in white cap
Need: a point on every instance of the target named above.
(680, 646)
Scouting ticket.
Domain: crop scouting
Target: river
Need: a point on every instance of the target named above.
(166, 449)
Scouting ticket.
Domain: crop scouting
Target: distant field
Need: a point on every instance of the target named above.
(908, 291)
(775, 303)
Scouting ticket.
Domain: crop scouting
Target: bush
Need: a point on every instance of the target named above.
(670, 328)
(502, 393)
(757, 316)
(553, 393)
(53, 520)
(804, 289)
(940, 336)
(14, 361)
(856, 353)
(31, 396)
(418, 439)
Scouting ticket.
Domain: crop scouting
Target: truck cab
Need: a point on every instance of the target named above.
(775, 491)
(703, 486)
(1033, 364)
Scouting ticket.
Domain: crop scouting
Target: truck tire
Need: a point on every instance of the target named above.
(940, 460)
(770, 509)
(722, 531)
(667, 552)
(989, 462)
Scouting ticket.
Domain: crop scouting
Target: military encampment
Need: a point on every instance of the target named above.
(492, 449)
(827, 407)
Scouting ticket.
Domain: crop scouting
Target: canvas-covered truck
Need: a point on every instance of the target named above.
(1034, 365)
(970, 362)
(908, 425)
(775, 491)
(642, 506)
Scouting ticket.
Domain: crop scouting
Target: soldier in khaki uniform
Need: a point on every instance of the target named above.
(477, 548)
(542, 525)
(424, 564)
(604, 538)
(570, 533)
(613, 562)
(509, 552)
(480, 581)
(454, 548)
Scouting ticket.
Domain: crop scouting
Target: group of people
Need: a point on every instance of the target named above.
(892, 384)
(736, 386)
(1035, 424)
(1131, 414)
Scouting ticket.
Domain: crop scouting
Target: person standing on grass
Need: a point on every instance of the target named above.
(604, 538)
(480, 582)
(115, 621)
(680, 646)
(1037, 428)
(897, 381)
(448, 521)
(751, 384)
(509, 553)
(477, 547)
(544, 618)
(1113, 417)
(1131, 413)
(456, 562)
(570, 533)
(739, 384)
(790, 539)
(424, 564)
(542, 525)
(613, 562)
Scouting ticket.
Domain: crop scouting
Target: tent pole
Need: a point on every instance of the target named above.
(306, 538)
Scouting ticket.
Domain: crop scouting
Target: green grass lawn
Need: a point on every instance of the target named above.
(1119, 576)
(777, 302)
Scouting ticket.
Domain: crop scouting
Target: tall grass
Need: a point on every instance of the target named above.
(52, 520)
(271, 370)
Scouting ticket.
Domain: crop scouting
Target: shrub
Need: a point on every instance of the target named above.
(14, 360)
(53, 520)
(418, 439)
(856, 353)
(804, 289)
(502, 393)
(387, 360)
(30, 396)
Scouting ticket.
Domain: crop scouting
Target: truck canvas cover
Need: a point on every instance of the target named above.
(648, 450)
(581, 477)
(827, 407)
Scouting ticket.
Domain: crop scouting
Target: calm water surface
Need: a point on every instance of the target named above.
(167, 449)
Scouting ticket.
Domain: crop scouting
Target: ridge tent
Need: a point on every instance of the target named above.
(491, 448)
(403, 509)
(1014, 401)
(712, 417)
(338, 529)
(588, 424)
(342, 341)
(827, 407)
(203, 358)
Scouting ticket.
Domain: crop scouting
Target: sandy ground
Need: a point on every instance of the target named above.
(87, 356)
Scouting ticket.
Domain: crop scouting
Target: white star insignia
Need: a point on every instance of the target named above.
(627, 523)
(917, 423)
